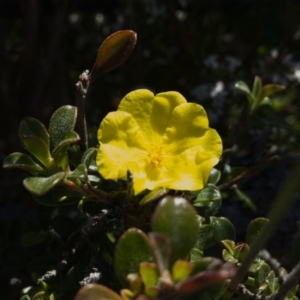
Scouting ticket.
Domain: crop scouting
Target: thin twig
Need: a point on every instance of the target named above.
(291, 281)
(82, 88)
(249, 172)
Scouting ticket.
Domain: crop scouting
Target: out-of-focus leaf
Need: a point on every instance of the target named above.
(41, 185)
(113, 52)
(62, 121)
(161, 250)
(257, 85)
(132, 249)
(269, 90)
(177, 219)
(59, 154)
(241, 85)
(181, 269)
(223, 229)
(96, 292)
(205, 279)
(254, 228)
(246, 199)
(154, 195)
(149, 274)
(22, 161)
(30, 127)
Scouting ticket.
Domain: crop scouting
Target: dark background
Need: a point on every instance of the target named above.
(199, 48)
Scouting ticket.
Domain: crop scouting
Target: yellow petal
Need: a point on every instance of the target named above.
(188, 128)
(121, 142)
(151, 113)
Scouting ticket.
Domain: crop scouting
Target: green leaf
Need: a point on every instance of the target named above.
(208, 201)
(257, 85)
(149, 274)
(214, 176)
(132, 249)
(241, 85)
(62, 121)
(113, 52)
(223, 229)
(181, 269)
(25, 298)
(39, 149)
(96, 292)
(254, 228)
(245, 198)
(41, 185)
(30, 127)
(177, 219)
(59, 154)
(22, 161)
(261, 274)
(58, 196)
(269, 90)
(89, 156)
(80, 173)
(205, 238)
(154, 195)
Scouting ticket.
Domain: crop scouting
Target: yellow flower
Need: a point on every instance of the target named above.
(163, 140)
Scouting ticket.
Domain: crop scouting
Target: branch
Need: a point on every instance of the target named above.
(249, 172)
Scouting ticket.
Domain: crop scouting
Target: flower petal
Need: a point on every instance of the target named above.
(188, 128)
(121, 142)
(151, 113)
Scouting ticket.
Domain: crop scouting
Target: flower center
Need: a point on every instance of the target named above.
(155, 155)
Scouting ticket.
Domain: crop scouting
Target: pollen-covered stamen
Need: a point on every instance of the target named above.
(156, 155)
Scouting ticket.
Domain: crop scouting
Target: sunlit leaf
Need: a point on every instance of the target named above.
(62, 121)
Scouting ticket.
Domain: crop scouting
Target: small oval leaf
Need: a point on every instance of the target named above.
(22, 161)
(223, 229)
(113, 52)
(41, 185)
(62, 121)
(254, 228)
(96, 292)
(177, 219)
(132, 249)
